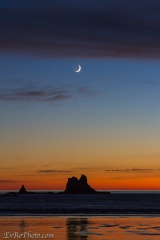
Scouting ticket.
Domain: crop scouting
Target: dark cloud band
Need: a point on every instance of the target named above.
(101, 28)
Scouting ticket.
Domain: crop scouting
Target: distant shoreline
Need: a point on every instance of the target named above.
(104, 191)
(52, 192)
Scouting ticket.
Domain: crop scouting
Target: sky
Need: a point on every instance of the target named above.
(103, 122)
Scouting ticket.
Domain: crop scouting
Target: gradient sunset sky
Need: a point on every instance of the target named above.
(104, 121)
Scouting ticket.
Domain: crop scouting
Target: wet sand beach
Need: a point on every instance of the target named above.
(82, 228)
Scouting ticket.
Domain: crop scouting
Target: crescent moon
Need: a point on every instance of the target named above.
(79, 69)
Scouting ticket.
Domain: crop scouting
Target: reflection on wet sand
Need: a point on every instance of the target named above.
(84, 228)
(77, 228)
(22, 226)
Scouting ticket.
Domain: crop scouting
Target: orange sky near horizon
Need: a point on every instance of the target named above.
(112, 179)
(43, 163)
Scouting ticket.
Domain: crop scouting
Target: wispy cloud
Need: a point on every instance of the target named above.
(36, 94)
(7, 181)
(87, 169)
(81, 28)
(45, 94)
(53, 171)
(129, 170)
(83, 90)
(149, 82)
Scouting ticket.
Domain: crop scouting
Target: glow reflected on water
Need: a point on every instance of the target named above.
(85, 228)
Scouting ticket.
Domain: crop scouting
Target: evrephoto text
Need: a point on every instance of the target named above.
(29, 234)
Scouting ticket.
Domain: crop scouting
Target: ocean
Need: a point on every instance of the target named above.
(119, 215)
(90, 204)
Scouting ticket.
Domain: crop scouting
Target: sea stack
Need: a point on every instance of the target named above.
(75, 186)
(22, 190)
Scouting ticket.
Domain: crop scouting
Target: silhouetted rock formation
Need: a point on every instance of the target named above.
(23, 190)
(75, 186)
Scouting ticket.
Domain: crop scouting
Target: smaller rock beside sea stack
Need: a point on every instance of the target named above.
(22, 190)
(75, 186)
